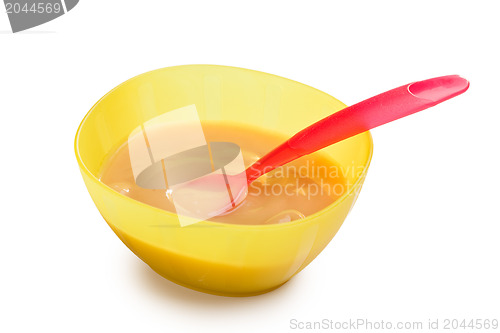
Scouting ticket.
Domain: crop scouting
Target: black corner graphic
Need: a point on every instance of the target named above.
(26, 14)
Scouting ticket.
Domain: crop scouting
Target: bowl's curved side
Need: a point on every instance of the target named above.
(209, 256)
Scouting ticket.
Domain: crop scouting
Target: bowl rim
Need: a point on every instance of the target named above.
(205, 223)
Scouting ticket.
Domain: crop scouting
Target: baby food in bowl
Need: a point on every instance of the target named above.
(288, 193)
(288, 216)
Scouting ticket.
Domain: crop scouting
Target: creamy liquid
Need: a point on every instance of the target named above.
(288, 193)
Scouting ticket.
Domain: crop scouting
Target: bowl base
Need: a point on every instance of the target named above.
(215, 292)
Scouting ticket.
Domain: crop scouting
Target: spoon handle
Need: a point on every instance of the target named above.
(363, 116)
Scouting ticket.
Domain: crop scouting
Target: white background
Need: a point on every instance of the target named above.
(422, 241)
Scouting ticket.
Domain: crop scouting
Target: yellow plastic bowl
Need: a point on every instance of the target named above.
(224, 259)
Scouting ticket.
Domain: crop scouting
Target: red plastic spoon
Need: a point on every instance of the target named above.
(363, 116)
